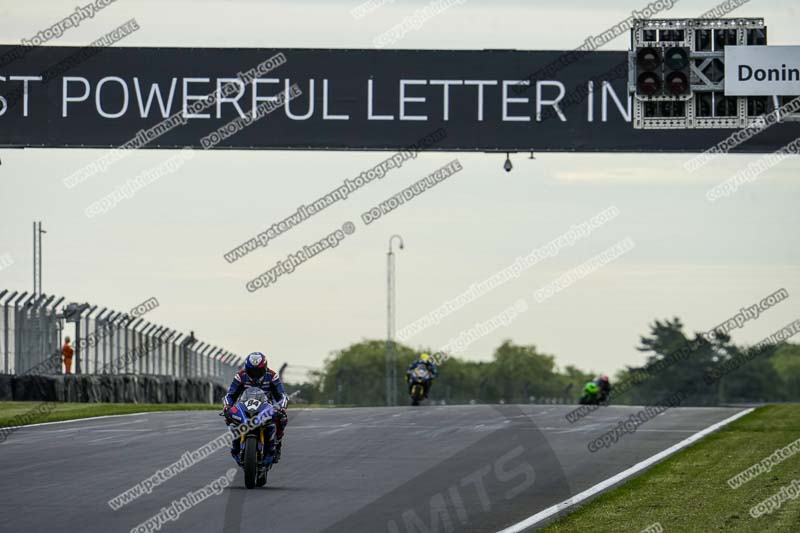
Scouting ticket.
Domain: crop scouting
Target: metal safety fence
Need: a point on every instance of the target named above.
(33, 329)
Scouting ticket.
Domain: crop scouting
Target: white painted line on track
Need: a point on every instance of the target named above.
(80, 420)
(124, 430)
(104, 416)
(82, 428)
(102, 439)
(531, 521)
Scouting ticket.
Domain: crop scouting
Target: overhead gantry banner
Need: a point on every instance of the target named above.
(489, 100)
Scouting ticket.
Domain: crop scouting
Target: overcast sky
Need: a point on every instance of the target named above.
(692, 259)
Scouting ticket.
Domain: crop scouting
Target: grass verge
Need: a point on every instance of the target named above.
(690, 491)
(24, 413)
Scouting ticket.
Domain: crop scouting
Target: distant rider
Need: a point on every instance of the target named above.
(605, 388)
(256, 373)
(591, 393)
(424, 360)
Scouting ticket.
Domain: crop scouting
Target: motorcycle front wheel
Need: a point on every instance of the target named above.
(251, 462)
(416, 394)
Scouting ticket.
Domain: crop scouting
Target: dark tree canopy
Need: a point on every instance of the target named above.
(521, 374)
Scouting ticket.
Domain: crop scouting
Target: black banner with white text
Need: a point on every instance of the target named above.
(343, 100)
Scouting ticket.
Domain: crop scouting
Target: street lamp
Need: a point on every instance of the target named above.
(391, 370)
(37, 258)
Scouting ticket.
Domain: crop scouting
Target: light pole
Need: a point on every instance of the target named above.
(391, 366)
(37, 258)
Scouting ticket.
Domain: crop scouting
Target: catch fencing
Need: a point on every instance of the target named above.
(33, 328)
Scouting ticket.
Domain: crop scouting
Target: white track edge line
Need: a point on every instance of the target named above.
(103, 416)
(79, 420)
(519, 527)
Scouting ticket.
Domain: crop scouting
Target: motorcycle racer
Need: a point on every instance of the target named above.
(256, 373)
(425, 360)
(590, 394)
(604, 384)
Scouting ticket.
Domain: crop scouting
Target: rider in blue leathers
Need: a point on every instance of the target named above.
(256, 373)
(426, 361)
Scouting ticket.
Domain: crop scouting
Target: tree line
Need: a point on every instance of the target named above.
(706, 372)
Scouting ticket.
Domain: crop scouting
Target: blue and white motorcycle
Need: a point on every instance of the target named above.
(417, 383)
(253, 423)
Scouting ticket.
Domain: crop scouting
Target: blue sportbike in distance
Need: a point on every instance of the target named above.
(252, 418)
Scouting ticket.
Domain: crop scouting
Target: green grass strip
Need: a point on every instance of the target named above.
(690, 491)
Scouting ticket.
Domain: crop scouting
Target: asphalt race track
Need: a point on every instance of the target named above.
(427, 469)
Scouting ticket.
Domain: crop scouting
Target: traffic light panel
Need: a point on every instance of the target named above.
(648, 73)
(662, 72)
(676, 71)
